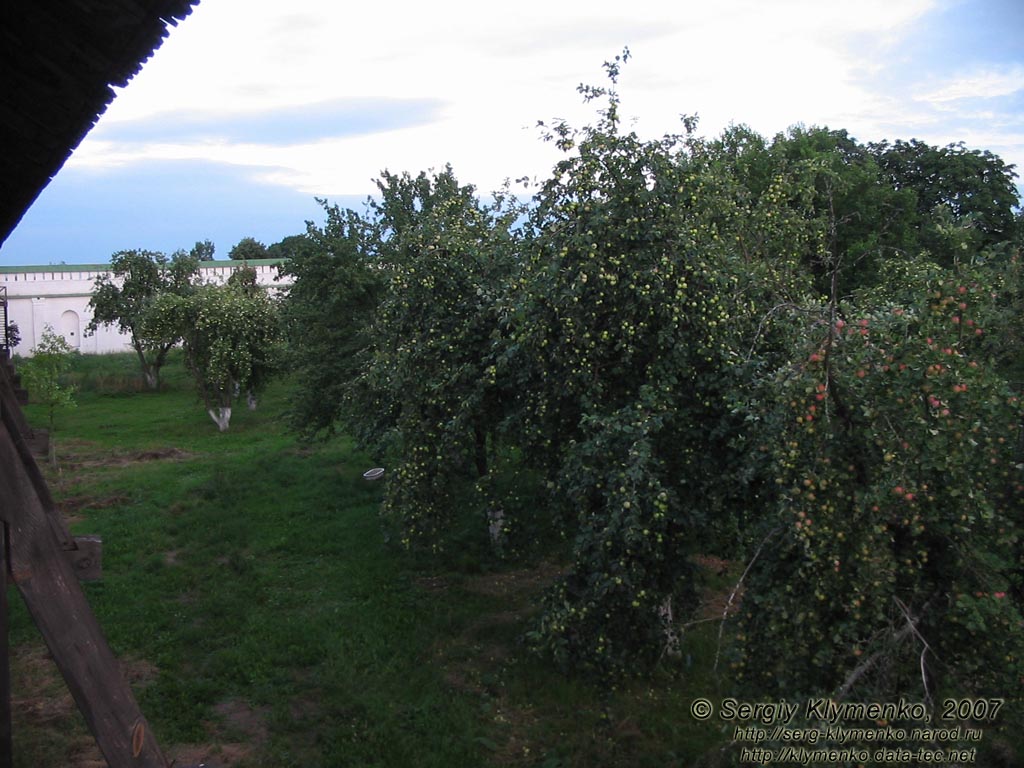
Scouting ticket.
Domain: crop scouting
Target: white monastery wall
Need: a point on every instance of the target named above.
(58, 296)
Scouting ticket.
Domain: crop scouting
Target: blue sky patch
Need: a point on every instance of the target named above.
(85, 215)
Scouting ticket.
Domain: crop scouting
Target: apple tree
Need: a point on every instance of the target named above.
(336, 285)
(627, 337)
(44, 373)
(427, 392)
(231, 338)
(891, 557)
(123, 297)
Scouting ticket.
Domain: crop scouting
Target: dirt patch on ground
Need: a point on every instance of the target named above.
(721, 602)
(73, 458)
(165, 454)
(33, 669)
(238, 731)
(713, 564)
(515, 583)
(75, 455)
(206, 755)
(241, 719)
(433, 583)
(84, 753)
(138, 672)
(73, 507)
(475, 654)
(473, 661)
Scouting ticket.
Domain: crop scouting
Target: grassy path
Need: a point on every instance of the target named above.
(265, 622)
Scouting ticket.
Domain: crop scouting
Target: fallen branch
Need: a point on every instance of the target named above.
(865, 666)
(732, 595)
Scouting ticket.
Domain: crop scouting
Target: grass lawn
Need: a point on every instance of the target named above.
(265, 621)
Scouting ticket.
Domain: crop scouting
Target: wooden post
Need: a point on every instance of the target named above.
(6, 744)
(47, 582)
(83, 552)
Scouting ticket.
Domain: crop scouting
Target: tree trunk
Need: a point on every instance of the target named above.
(150, 373)
(480, 453)
(672, 639)
(221, 417)
(250, 399)
(496, 527)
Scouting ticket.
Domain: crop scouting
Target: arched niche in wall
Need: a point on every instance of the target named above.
(69, 329)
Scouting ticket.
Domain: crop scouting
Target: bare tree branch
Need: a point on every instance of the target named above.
(735, 589)
(871, 661)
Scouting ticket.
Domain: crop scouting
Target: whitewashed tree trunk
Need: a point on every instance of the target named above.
(250, 399)
(496, 526)
(150, 374)
(221, 417)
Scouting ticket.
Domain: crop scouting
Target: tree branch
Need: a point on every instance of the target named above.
(735, 589)
(871, 661)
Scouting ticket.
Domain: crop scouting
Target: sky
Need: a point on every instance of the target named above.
(251, 109)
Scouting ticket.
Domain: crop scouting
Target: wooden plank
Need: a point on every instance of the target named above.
(6, 743)
(38, 443)
(61, 613)
(9, 397)
(83, 552)
(86, 558)
(14, 420)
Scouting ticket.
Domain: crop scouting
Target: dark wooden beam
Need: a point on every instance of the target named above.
(21, 436)
(6, 744)
(55, 601)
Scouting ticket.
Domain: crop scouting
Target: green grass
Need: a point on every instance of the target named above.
(248, 583)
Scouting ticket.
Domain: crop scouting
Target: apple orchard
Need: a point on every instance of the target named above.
(800, 355)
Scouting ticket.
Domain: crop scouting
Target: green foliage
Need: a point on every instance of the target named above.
(1004, 341)
(336, 287)
(12, 336)
(630, 324)
(893, 565)
(976, 187)
(124, 295)
(44, 373)
(836, 186)
(248, 248)
(231, 336)
(427, 387)
(393, 324)
(203, 250)
(244, 280)
(291, 247)
(761, 350)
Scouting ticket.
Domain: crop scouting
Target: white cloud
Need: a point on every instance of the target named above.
(989, 84)
(499, 69)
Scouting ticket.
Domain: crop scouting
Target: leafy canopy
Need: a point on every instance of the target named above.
(123, 296)
(231, 338)
(248, 248)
